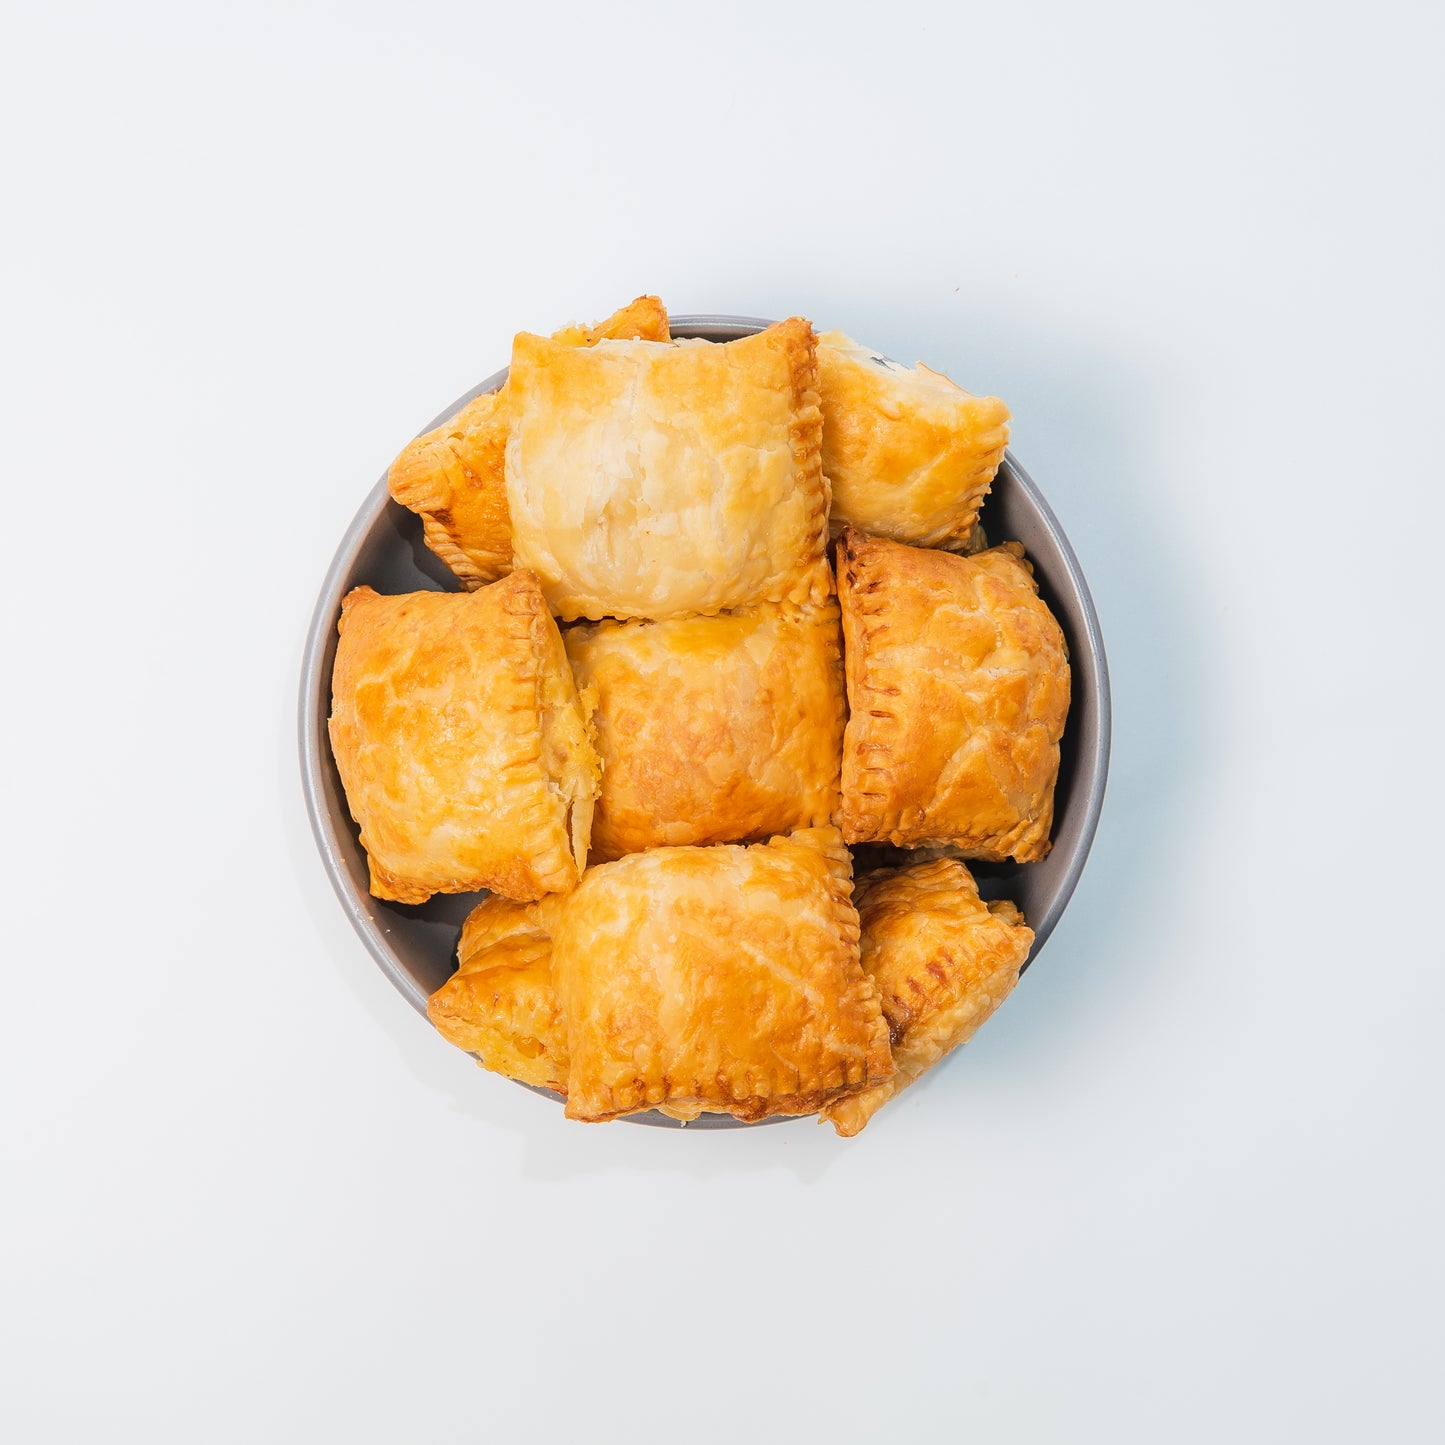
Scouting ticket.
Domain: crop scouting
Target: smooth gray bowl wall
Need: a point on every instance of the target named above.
(383, 548)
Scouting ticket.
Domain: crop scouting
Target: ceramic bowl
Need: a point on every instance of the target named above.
(416, 946)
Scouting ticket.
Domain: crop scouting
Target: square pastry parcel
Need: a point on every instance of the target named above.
(651, 479)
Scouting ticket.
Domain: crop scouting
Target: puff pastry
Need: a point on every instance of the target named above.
(660, 481)
(461, 742)
(500, 1003)
(958, 688)
(453, 477)
(720, 729)
(909, 455)
(943, 961)
(718, 979)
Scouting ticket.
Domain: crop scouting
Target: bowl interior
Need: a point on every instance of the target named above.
(383, 548)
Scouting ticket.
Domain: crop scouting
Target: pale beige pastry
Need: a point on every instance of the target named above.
(720, 979)
(461, 742)
(453, 477)
(652, 480)
(943, 961)
(720, 729)
(958, 688)
(908, 454)
(500, 1003)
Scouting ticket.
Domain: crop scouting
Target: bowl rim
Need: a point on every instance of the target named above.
(313, 743)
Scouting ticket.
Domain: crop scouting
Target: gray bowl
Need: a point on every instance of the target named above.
(416, 945)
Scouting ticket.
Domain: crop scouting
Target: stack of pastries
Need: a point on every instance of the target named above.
(725, 613)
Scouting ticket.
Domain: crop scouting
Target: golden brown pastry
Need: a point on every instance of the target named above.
(909, 455)
(943, 961)
(720, 729)
(644, 319)
(718, 979)
(500, 1003)
(461, 742)
(649, 480)
(453, 477)
(958, 687)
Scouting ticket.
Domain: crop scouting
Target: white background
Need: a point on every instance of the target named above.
(1188, 1184)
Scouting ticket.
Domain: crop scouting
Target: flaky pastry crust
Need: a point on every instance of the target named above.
(500, 1003)
(722, 729)
(461, 742)
(908, 454)
(453, 477)
(720, 979)
(958, 689)
(943, 961)
(644, 319)
(662, 481)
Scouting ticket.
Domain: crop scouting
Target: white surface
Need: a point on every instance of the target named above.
(1187, 1185)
